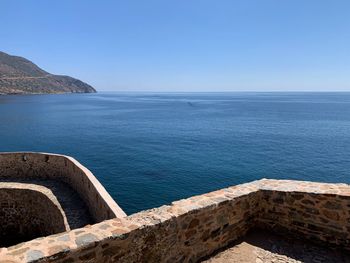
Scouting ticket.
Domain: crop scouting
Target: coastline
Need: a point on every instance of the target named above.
(43, 93)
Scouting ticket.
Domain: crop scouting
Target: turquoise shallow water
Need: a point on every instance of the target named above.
(150, 149)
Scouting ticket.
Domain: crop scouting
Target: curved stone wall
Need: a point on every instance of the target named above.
(64, 168)
(28, 211)
(191, 229)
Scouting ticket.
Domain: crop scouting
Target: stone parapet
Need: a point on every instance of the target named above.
(317, 211)
(28, 211)
(191, 229)
(28, 165)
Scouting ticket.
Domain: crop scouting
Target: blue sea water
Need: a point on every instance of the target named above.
(149, 149)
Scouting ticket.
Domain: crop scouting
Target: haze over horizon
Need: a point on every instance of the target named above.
(185, 45)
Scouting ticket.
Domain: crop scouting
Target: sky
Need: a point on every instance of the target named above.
(185, 45)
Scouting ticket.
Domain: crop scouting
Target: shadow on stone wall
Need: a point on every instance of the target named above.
(26, 214)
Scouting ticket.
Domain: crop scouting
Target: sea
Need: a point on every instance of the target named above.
(149, 149)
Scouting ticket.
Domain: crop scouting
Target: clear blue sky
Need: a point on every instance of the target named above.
(185, 45)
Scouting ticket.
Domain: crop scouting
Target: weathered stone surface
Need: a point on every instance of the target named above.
(65, 169)
(191, 229)
(33, 255)
(265, 247)
(28, 211)
(85, 239)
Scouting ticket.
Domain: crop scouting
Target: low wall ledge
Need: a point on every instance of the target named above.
(193, 228)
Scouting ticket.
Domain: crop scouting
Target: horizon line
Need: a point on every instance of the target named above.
(267, 91)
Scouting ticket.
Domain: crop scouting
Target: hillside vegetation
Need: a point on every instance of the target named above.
(21, 76)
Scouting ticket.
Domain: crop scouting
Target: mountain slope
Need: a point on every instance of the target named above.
(20, 76)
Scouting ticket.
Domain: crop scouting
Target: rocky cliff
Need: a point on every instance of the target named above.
(21, 76)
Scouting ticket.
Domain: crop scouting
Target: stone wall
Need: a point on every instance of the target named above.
(64, 168)
(191, 229)
(28, 211)
(320, 212)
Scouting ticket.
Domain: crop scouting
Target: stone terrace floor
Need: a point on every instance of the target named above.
(76, 211)
(260, 246)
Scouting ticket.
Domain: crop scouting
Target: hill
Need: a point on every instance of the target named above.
(21, 76)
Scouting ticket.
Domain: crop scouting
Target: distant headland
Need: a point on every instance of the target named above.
(21, 76)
